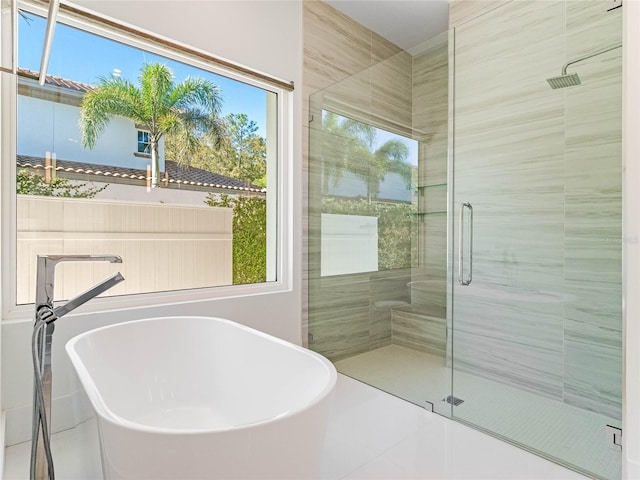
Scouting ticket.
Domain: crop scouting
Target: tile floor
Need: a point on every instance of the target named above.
(370, 435)
(572, 434)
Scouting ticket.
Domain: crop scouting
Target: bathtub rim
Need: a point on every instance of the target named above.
(107, 415)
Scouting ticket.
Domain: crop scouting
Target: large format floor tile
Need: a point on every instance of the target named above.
(370, 435)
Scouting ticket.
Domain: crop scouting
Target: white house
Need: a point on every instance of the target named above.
(50, 140)
(57, 102)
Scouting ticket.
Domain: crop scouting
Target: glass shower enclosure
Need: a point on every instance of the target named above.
(489, 291)
(378, 225)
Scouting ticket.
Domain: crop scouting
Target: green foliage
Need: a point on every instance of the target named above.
(30, 183)
(261, 182)
(396, 247)
(248, 153)
(241, 152)
(188, 110)
(249, 236)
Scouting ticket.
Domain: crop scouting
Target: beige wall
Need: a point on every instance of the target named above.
(366, 77)
(377, 83)
(461, 11)
(430, 127)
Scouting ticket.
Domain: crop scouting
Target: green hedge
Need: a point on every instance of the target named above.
(249, 236)
(31, 183)
(396, 247)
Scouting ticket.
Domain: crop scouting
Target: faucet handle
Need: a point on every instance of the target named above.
(46, 270)
(88, 294)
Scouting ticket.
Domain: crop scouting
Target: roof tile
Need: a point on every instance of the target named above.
(176, 174)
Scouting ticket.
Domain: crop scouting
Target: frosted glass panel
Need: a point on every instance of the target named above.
(349, 244)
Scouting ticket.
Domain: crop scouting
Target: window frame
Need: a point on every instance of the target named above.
(146, 151)
(281, 202)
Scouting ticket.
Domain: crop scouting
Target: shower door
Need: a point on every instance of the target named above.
(535, 231)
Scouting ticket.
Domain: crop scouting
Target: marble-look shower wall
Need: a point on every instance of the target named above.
(542, 169)
(430, 128)
(462, 10)
(335, 48)
(593, 213)
(366, 77)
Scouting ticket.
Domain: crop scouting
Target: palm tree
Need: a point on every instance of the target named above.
(348, 146)
(188, 110)
(390, 157)
(345, 147)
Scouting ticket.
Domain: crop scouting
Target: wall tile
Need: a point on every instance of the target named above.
(542, 168)
(414, 329)
(593, 207)
(335, 46)
(354, 72)
(463, 10)
(509, 142)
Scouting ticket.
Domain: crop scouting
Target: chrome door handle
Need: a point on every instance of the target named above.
(465, 281)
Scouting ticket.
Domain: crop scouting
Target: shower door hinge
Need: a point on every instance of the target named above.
(614, 437)
(613, 4)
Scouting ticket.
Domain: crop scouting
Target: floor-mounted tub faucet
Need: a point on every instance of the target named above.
(46, 314)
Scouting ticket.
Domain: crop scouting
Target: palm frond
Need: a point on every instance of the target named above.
(197, 93)
(395, 150)
(185, 143)
(189, 111)
(393, 154)
(156, 83)
(113, 96)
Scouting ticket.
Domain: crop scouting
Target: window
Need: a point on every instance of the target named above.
(144, 146)
(197, 208)
(369, 202)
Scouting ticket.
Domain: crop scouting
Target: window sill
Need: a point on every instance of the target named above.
(157, 299)
(141, 155)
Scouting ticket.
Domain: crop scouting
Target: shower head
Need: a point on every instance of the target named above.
(564, 81)
(570, 80)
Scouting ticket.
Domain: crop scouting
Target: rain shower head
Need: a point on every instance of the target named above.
(572, 79)
(564, 81)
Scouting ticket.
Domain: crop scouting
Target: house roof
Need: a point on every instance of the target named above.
(57, 81)
(173, 175)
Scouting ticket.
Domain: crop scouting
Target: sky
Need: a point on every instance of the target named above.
(84, 57)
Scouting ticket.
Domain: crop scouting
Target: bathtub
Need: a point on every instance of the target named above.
(201, 397)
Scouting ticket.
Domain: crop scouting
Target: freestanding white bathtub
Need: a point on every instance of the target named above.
(201, 397)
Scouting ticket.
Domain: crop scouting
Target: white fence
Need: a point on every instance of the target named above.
(163, 247)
